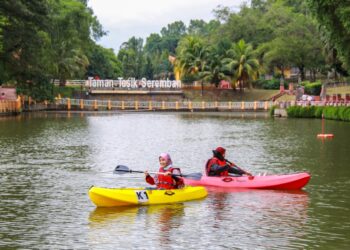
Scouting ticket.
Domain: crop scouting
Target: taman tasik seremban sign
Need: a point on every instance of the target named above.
(133, 83)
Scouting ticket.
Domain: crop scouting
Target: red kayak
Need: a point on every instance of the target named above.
(286, 181)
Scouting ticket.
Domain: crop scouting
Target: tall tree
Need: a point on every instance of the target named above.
(25, 42)
(131, 57)
(45, 39)
(104, 63)
(172, 34)
(214, 70)
(192, 55)
(333, 16)
(242, 64)
(72, 29)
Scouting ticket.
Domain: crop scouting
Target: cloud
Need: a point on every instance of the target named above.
(124, 19)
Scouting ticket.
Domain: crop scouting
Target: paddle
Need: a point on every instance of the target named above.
(124, 169)
(245, 172)
(221, 157)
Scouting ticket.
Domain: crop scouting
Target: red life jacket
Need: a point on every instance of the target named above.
(213, 161)
(166, 182)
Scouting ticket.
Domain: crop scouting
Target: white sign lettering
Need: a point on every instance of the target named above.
(133, 83)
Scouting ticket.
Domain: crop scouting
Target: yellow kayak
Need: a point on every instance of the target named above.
(117, 197)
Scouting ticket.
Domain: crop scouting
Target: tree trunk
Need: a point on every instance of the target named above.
(62, 82)
(302, 72)
(313, 75)
(52, 88)
(241, 85)
(233, 84)
(250, 85)
(202, 88)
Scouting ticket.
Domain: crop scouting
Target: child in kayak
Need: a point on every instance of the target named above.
(219, 166)
(170, 179)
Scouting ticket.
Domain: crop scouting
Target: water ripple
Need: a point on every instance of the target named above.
(49, 161)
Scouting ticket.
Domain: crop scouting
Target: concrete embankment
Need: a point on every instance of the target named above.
(280, 112)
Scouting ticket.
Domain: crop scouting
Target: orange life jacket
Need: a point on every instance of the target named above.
(166, 182)
(217, 161)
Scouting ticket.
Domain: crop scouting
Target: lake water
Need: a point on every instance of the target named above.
(48, 161)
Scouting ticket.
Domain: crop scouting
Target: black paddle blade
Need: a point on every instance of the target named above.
(193, 176)
(121, 169)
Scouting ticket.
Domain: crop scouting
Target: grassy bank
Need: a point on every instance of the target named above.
(338, 90)
(230, 95)
(332, 113)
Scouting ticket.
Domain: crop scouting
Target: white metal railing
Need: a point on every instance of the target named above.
(162, 105)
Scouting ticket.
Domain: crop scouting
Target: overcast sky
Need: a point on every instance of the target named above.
(126, 18)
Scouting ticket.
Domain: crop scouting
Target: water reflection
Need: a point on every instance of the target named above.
(161, 221)
(49, 160)
(101, 217)
(264, 213)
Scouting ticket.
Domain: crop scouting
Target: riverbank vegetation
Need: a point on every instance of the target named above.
(332, 113)
(41, 40)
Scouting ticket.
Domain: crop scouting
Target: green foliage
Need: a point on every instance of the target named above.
(201, 28)
(313, 88)
(44, 39)
(172, 34)
(295, 41)
(333, 113)
(302, 112)
(272, 110)
(103, 63)
(241, 64)
(71, 29)
(214, 69)
(55, 39)
(283, 31)
(39, 89)
(318, 112)
(159, 47)
(192, 55)
(244, 25)
(131, 57)
(188, 78)
(333, 17)
(268, 84)
(66, 91)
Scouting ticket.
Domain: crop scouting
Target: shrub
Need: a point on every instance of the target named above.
(272, 110)
(308, 112)
(293, 111)
(268, 84)
(333, 113)
(318, 112)
(313, 88)
(39, 89)
(66, 91)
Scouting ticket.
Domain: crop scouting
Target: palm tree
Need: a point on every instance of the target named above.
(213, 72)
(70, 62)
(192, 55)
(242, 65)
